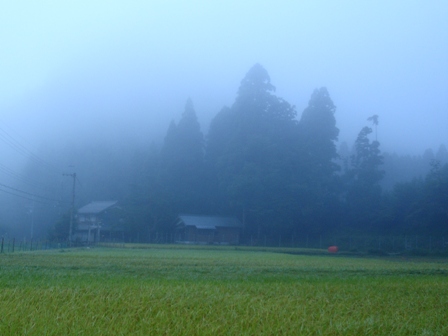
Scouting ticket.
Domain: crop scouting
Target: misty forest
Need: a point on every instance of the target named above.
(224, 167)
(281, 172)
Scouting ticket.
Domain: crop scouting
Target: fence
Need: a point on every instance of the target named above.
(388, 244)
(12, 245)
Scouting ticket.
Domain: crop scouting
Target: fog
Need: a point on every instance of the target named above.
(71, 68)
(79, 74)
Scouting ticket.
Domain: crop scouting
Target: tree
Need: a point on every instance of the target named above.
(400, 207)
(419, 206)
(145, 205)
(60, 231)
(436, 199)
(364, 191)
(317, 162)
(442, 154)
(318, 134)
(367, 159)
(168, 181)
(374, 120)
(344, 156)
(182, 164)
(248, 147)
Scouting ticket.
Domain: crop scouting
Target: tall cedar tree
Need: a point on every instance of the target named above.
(182, 165)
(146, 205)
(319, 134)
(317, 164)
(364, 191)
(249, 146)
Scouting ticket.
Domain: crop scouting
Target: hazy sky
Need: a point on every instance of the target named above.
(104, 67)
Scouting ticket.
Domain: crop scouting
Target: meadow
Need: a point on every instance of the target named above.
(219, 291)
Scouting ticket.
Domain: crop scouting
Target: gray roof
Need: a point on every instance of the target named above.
(208, 222)
(96, 207)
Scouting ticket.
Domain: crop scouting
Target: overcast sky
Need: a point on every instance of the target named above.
(104, 67)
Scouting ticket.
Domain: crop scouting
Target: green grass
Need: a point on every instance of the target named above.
(223, 291)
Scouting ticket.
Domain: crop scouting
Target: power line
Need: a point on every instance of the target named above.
(21, 149)
(22, 178)
(72, 210)
(8, 139)
(24, 197)
(26, 193)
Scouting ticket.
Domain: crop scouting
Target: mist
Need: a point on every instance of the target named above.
(76, 66)
(112, 76)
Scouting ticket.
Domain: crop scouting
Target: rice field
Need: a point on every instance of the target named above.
(184, 291)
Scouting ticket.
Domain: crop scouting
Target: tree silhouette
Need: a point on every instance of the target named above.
(374, 120)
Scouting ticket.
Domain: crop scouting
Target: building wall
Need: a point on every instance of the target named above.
(198, 235)
(228, 235)
(220, 235)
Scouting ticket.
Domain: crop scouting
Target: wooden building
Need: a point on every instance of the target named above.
(208, 230)
(98, 221)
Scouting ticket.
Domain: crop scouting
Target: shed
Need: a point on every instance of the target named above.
(98, 221)
(208, 229)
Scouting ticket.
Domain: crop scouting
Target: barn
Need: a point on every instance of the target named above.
(207, 230)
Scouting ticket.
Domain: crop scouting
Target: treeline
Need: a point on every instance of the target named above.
(279, 174)
(276, 170)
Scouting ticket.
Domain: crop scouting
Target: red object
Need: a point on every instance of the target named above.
(333, 249)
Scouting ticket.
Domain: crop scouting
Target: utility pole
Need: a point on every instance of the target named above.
(72, 209)
(32, 219)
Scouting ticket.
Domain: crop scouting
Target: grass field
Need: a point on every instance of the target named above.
(182, 291)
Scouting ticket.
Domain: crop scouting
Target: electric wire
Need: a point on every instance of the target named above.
(8, 171)
(21, 149)
(16, 145)
(28, 193)
(24, 197)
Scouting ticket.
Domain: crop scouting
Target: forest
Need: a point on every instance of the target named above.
(280, 173)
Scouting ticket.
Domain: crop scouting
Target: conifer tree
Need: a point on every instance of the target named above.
(316, 167)
(364, 191)
(318, 134)
(248, 147)
(182, 164)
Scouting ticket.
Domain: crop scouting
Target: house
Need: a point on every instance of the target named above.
(99, 221)
(208, 230)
